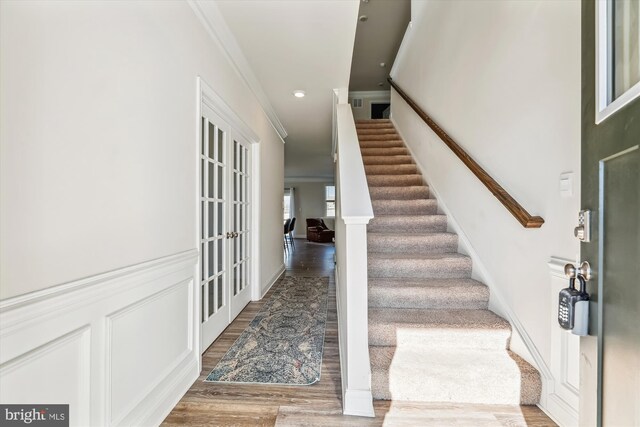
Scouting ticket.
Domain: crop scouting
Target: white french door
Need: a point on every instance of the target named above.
(224, 236)
(241, 218)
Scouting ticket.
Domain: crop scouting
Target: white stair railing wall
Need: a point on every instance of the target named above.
(353, 212)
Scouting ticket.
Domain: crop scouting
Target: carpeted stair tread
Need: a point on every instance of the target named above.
(427, 293)
(415, 243)
(407, 223)
(394, 180)
(450, 375)
(373, 121)
(380, 137)
(382, 144)
(439, 319)
(390, 169)
(387, 160)
(409, 207)
(399, 193)
(384, 151)
(435, 266)
(431, 335)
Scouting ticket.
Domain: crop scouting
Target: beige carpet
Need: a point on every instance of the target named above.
(431, 335)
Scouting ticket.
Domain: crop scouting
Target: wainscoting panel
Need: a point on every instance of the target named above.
(30, 377)
(120, 348)
(563, 396)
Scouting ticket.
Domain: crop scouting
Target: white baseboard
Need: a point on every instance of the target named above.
(120, 347)
(358, 403)
(273, 280)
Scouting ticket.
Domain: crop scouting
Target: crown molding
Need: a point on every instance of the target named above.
(211, 18)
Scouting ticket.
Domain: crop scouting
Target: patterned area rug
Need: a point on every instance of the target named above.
(284, 342)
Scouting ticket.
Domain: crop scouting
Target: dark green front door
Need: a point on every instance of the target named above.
(610, 357)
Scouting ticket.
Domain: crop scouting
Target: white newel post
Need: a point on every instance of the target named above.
(353, 212)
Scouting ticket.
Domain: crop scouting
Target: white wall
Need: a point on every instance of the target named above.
(98, 174)
(309, 203)
(98, 138)
(368, 97)
(503, 79)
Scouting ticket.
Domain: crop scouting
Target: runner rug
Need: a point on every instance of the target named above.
(284, 342)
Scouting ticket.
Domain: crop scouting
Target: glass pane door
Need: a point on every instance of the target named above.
(213, 203)
(241, 219)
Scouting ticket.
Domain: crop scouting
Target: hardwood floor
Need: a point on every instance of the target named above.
(207, 404)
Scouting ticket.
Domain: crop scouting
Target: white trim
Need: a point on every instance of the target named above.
(370, 94)
(211, 18)
(329, 179)
(603, 108)
(89, 329)
(562, 400)
(278, 274)
(107, 279)
(211, 99)
(255, 223)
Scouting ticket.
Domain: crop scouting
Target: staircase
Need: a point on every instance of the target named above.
(431, 335)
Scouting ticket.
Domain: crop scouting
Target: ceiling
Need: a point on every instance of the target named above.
(309, 45)
(377, 40)
(298, 45)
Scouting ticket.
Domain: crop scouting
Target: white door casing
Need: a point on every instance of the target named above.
(227, 229)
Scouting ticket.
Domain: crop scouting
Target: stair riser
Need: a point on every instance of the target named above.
(440, 269)
(387, 160)
(384, 151)
(365, 122)
(381, 144)
(427, 339)
(390, 169)
(399, 193)
(394, 180)
(376, 131)
(412, 244)
(404, 207)
(383, 137)
(472, 384)
(408, 224)
(426, 298)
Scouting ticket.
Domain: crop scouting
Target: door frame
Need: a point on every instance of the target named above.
(207, 96)
(613, 124)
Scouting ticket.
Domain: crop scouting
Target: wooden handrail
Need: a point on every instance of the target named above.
(516, 209)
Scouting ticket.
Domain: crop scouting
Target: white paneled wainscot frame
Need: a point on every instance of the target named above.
(120, 348)
(563, 398)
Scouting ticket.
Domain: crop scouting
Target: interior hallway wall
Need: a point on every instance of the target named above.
(98, 138)
(503, 79)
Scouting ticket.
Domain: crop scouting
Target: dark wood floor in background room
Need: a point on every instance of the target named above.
(207, 404)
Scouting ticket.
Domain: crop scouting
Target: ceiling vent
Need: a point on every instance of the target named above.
(356, 102)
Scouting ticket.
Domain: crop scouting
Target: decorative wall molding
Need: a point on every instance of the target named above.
(121, 347)
(563, 399)
(211, 18)
(211, 99)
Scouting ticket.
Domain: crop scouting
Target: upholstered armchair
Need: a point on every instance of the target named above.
(317, 231)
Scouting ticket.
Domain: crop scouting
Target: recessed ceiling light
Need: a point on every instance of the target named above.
(380, 84)
(298, 93)
(382, 65)
(363, 18)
